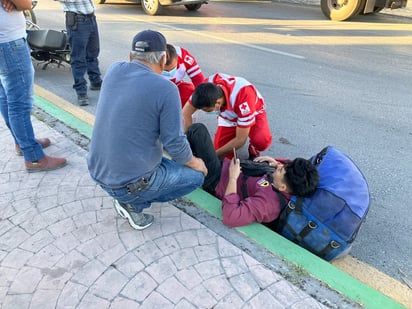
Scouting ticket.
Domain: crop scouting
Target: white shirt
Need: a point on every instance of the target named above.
(12, 25)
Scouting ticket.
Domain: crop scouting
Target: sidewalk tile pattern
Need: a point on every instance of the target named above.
(62, 246)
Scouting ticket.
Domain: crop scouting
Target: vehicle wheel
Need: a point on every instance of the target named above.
(339, 10)
(102, 1)
(151, 7)
(361, 7)
(30, 16)
(193, 7)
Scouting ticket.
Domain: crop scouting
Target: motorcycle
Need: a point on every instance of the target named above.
(47, 46)
(29, 14)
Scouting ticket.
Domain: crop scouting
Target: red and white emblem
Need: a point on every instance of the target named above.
(244, 108)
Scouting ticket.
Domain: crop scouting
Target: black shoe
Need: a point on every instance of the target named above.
(82, 99)
(95, 86)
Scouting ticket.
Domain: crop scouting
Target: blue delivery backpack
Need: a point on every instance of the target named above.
(327, 222)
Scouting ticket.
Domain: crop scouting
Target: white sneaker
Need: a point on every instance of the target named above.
(137, 220)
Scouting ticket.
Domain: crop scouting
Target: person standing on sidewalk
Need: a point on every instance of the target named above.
(16, 87)
(84, 43)
(138, 115)
(180, 62)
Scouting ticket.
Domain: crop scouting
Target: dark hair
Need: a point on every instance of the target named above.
(170, 53)
(301, 177)
(206, 95)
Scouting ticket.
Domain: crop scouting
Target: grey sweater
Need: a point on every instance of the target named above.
(138, 114)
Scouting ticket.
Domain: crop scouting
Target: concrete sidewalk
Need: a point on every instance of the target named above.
(62, 246)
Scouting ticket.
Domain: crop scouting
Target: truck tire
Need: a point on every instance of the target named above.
(340, 10)
(151, 7)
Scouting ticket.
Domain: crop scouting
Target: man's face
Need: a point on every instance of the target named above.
(217, 106)
(279, 178)
(172, 65)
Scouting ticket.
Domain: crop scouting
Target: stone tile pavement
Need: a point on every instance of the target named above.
(62, 246)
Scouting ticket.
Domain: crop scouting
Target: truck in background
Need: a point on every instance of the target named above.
(340, 10)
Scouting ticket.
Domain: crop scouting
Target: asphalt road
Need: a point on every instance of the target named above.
(347, 84)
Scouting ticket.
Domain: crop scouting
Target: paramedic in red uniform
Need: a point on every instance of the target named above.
(242, 114)
(180, 62)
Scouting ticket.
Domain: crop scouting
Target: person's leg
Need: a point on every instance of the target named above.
(78, 40)
(4, 107)
(260, 137)
(170, 181)
(223, 136)
(185, 90)
(92, 54)
(16, 96)
(202, 147)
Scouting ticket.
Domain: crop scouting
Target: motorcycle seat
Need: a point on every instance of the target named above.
(48, 40)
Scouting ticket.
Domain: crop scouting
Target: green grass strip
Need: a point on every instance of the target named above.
(63, 116)
(318, 268)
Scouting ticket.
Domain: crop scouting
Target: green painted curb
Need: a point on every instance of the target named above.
(318, 268)
(65, 117)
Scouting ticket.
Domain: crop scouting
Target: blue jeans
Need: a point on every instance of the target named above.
(168, 182)
(85, 48)
(16, 96)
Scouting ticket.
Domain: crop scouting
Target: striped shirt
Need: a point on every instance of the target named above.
(84, 7)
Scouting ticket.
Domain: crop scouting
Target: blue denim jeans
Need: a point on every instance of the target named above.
(168, 182)
(85, 48)
(16, 96)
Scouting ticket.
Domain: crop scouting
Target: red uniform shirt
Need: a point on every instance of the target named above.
(243, 101)
(244, 108)
(186, 64)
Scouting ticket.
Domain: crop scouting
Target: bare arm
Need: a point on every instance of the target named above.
(239, 140)
(19, 5)
(187, 112)
(234, 172)
(271, 161)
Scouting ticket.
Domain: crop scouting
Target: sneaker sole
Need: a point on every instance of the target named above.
(124, 214)
(119, 210)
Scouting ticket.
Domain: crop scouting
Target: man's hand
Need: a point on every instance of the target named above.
(234, 168)
(234, 172)
(198, 165)
(8, 5)
(271, 161)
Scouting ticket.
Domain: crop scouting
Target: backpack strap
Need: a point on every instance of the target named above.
(285, 209)
(244, 187)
